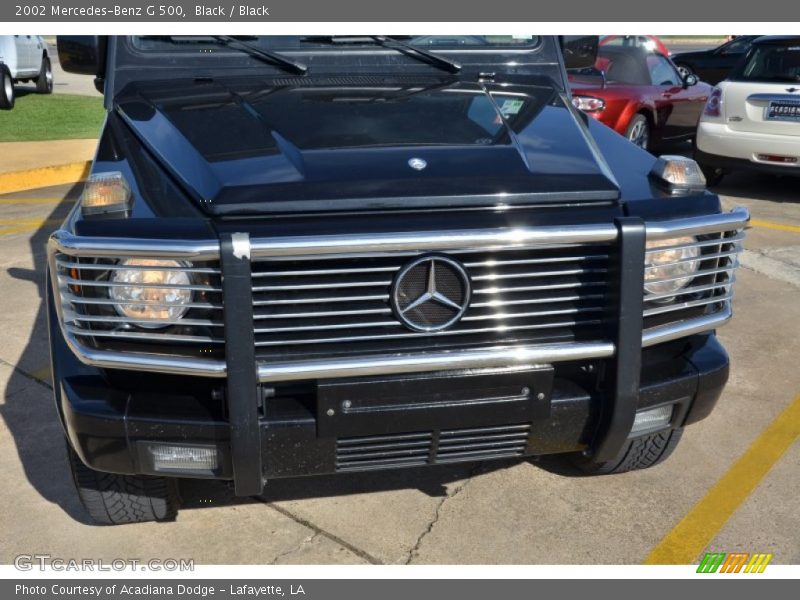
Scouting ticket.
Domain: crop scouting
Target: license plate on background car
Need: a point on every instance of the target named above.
(783, 110)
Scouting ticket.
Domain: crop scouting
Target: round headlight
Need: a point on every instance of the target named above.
(668, 271)
(141, 298)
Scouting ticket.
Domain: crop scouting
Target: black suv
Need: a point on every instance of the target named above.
(308, 255)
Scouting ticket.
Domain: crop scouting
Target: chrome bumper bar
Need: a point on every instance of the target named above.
(63, 241)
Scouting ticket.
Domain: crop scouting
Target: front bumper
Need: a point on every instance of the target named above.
(264, 427)
(718, 146)
(110, 427)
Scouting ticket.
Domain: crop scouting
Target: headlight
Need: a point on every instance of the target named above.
(668, 271)
(141, 298)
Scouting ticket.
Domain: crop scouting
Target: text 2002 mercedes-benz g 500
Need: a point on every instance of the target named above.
(327, 254)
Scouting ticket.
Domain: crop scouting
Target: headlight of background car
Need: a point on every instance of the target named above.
(141, 298)
(677, 265)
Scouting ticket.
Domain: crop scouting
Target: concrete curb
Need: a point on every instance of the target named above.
(30, 179)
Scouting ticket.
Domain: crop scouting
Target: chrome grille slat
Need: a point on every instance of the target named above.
(118, 267)
(112, 320)
(141, 335)
(693, 289)
(108, 301)
(534, 293)
(169, 286)
(688, 304)
(411, 334)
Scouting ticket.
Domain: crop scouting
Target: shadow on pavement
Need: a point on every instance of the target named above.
(29, 411)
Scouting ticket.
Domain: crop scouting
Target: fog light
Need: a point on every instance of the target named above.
(651, 419)
(167, 457)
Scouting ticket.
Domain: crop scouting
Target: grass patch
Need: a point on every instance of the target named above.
(38, 117)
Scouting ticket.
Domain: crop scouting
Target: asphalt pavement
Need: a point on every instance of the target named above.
(501, 512)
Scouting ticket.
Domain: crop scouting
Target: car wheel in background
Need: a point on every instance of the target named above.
(44, 83)
(684, 70)
(6, 89)
(713, 175)
(638, 131)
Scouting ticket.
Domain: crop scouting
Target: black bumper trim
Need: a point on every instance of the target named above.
(240, 357)
(617, 417)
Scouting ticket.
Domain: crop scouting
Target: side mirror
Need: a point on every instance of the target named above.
(580, 51)
(82, 54)
(690, 80)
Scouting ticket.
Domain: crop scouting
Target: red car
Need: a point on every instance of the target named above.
(641, 95)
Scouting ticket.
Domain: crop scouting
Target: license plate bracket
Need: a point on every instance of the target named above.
(428, 401)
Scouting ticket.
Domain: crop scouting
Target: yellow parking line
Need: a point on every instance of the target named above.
(698, 528)
(12, 226)
(773, 225)
(35, 200)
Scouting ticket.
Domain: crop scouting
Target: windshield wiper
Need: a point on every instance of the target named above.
(266, 55)
(237, 44)
(393, 44)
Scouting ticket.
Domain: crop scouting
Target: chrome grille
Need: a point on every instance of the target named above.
(445, 446)
(90, 314)
(711, 287)
(340, 304)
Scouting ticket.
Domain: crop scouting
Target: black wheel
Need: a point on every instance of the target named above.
(639, 453)
(638, 131)
(44, 82)
(684, 70)
(112, 499)
(713, 175)
(6, 89)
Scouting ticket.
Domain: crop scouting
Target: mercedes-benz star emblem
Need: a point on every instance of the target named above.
(417, 164)
(792, 89)
(430, 293)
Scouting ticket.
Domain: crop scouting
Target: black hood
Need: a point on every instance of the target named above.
(341, 143)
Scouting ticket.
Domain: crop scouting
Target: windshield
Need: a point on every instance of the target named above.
(288, 43)
(770, 63)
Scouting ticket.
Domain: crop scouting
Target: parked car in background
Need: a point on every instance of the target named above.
(648, 42)
(23, 58)
(712, 66)
(752, 119)
(640, 94)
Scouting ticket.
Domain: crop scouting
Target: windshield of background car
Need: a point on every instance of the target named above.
(150, 58)
(770, 63)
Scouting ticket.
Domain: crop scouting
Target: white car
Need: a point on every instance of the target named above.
(23, 58)
(752, 119)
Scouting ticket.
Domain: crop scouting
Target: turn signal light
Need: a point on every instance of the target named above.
(105, 193)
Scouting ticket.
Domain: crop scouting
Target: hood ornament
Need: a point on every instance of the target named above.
(417, 163)
(792, 89)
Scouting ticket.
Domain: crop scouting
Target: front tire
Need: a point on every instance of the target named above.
(6, 89)
(638, 131)
(639, 453)
(112, 499)
(44, 82)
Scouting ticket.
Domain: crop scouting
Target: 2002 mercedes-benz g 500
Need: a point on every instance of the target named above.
(309, 255)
